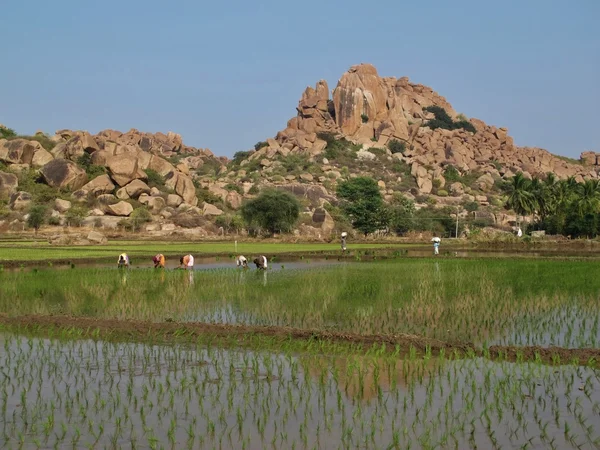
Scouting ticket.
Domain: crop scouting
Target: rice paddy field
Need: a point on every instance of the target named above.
(418, 353)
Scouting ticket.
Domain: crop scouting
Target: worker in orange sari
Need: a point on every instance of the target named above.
(159, 261)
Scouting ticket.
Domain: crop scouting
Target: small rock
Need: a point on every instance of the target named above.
(62, 205)
(96, 238)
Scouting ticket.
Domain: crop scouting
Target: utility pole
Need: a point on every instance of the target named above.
(456, 221)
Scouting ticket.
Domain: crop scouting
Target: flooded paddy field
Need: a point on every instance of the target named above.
(401, 353)
(82, 394)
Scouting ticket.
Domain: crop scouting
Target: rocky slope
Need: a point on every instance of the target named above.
(369, 125)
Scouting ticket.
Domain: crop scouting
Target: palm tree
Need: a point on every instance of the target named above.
(589, 197)
(520, 198)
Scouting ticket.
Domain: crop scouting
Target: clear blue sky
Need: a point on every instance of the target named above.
(227, 74)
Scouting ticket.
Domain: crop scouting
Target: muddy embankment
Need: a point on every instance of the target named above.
(166, 332)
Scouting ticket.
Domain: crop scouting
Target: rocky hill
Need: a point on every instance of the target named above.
(404, 135)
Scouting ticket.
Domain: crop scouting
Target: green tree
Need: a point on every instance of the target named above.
(588, 200)
(6, 133)
(520, 199)
(273, 210)
(363, 204)
(75, 215)
(402, 211)
(37, 217)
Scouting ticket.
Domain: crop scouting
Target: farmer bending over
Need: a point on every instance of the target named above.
(241, 261)
(123, 260)
(261, 262)
(187, 262)
(159, 261)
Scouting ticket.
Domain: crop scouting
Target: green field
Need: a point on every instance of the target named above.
(156, 386)
(27, 251)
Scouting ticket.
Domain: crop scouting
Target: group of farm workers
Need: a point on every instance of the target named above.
(260, 262)
(187, 262)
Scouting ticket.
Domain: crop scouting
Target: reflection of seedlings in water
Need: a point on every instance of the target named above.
(123, 395)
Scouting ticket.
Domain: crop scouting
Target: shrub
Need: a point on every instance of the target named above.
(75, 215)
(260, 145)
(464, 124)
(238, 157)
(230, 223)
(93, 170)
(53, 220)
(396, 146)
(234, 187)
(138, 217)
(295, 163)
(204, 195)
(444, 121)
(451, 174)
(273, 210)
(471, 206)
(442, 193)
(254, 190)
(155, 179)
(37, 217)
(364, 118)
(7, 133)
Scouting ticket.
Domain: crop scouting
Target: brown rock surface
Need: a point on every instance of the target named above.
(8, 184)
(123, 168)
(122, 209)
(62, 173)
(17, 151)
(184, 186)
(99, 185)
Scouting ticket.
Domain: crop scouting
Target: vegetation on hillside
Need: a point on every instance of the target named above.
(272, 211)
(443, 120)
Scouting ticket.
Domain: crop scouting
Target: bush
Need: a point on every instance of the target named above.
(238, 157)
(204, 195)
(7, 133)
(396, 146)
(273, 210)
(230, 223)
(234, 187)
(93, 170)
(53, 220)
(364, 118)
(444, 121)
(451, 174)
(471, 206)
(75, 216)
(442, 193)
(155, 179)
(254, 190)
(295, 163)
(37, 216)
(260, 145)
(30, 181)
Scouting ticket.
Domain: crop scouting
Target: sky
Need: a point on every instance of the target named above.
(227, 74)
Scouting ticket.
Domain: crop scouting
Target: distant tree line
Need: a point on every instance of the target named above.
(564, 207)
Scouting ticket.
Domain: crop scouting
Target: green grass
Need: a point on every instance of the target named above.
(40, 251)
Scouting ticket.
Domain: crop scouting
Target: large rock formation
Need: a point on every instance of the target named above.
(372, 111)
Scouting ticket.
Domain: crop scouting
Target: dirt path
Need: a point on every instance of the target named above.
(178, 331)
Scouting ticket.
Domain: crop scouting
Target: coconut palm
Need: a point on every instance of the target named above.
(588, 201)
(520, 198)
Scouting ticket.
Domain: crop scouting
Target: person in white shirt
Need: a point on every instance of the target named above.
(187, 262)
(242, 261)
